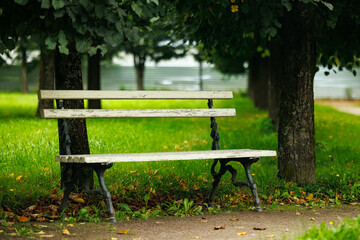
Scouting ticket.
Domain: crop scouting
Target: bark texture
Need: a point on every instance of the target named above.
(46, 79)
(139, 63)
(68, 76)
(94, 78)
(296, 153)
(24, 77)
(275, 76)
(258, 81)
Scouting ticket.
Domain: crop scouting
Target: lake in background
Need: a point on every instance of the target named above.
(341, 85)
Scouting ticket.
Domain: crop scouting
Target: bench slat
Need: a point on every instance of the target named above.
(137, 113)
(165, 156)
(96, 94)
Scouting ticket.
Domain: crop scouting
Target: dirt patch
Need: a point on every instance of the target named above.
(274, 224)
(348, 106)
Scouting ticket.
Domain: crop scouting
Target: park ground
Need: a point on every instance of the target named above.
(272, 223)
(348, 106)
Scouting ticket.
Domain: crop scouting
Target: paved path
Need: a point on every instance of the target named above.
(276, 224)
(348, 106)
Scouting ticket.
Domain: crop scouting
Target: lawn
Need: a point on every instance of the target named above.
(29, 175)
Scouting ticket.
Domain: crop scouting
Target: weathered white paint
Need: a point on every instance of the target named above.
(137, 113)
(102, 94)
(165, 156)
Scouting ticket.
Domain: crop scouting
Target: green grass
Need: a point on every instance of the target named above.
(28, 145)
(347, 230)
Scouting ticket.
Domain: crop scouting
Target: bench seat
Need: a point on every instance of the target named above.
(165, 156)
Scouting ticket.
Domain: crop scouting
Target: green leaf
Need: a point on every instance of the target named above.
(22, 2)
(50, 44)
(60, 13)
(118, 26)
(63, 49)
(81, 28)
(83, 46)
(272, 31)
(154, 1)
(71, 14)
(86, 4)
(62, 38)
(57, 4)
(112, 18)
(137, 9)
(328, 5)
(92, 51)
(287, 4)
(99, 10)
(45, 4)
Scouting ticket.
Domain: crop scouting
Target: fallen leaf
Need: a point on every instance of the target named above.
(234, 219)
(1, 231)
(310, 196)
(18, 178)
(260, 228)
(47, 236)
(156, 171)
(10, 228)
(41, 233)
(13, 234)
(297, 213)
(65, 232)
(242, 233)
(79, 200)
(114, 238)
(270, 236)
(196, 237)
(31, 208)
(123, 231)
(70, 225)
(217, 227)
(312, 219)
(204, 220)
(22, 219)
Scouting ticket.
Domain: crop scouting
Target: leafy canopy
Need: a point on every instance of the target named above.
(91, 24)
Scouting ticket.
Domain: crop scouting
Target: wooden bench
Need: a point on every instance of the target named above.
(100, 162)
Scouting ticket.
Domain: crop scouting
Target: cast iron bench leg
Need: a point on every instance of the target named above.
(217, 178)
(100, 170)
(246, 162)
(250, 183)
(68, 188)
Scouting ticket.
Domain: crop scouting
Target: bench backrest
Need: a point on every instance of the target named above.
(135, 113)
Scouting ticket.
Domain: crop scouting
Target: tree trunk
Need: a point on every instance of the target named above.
(68, 76)
(94, 78)
(201, 82)
(24, 77)
(139, 63)
(258, 81)
(275, 76)
(296, 153)
(46, 79)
